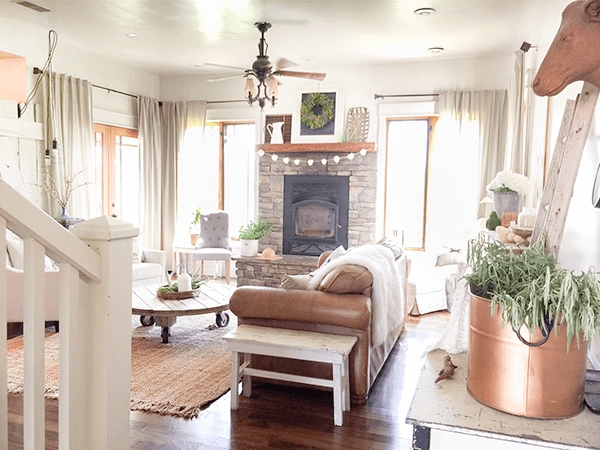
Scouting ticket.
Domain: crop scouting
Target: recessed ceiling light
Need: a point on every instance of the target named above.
(424, 11)
(435, 49)
(307, 58)
(132, 36)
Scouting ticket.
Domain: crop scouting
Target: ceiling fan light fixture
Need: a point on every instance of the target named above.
(272, 87)
(424, 11)
(250, 90)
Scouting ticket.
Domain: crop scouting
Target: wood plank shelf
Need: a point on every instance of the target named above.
(333, 147)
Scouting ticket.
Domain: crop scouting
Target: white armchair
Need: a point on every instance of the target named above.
(152, 268)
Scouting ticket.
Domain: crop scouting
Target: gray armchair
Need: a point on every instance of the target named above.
(213, 243)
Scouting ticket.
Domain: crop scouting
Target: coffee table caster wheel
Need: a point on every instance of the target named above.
(147, 321)
(165, 335)
(222, 319)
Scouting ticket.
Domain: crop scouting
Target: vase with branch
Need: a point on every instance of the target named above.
(62, 196)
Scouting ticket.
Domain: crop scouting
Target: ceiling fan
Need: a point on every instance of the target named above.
(264, 72)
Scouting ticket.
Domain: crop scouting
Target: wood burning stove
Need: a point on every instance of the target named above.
(315, 213)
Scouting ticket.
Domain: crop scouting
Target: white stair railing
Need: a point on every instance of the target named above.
(95, 326)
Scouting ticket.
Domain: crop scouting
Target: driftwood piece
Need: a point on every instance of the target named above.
(559, 186)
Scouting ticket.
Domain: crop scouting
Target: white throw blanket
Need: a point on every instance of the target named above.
(388, 295)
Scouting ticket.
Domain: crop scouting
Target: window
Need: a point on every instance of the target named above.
(217, 172)
(408, 144)
(118, 166)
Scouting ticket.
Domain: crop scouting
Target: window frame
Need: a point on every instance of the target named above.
(432, 122)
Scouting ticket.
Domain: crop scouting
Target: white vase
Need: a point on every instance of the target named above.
(249, 248)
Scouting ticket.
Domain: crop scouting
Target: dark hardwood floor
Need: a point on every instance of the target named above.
(278, 417)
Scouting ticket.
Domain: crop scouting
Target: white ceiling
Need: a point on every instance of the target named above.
(176, 35)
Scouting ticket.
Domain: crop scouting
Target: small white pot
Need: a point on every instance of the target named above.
(249, 247)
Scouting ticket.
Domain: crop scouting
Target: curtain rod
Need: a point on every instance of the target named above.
(406, 95)
(135, 96)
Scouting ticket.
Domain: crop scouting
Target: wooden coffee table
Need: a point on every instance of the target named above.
(213, 298)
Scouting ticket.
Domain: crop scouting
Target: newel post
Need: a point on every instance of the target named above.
(106, 311)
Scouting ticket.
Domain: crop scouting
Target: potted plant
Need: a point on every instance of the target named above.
(507, 188)
(250, 234)
(195, 226)
(529, 326)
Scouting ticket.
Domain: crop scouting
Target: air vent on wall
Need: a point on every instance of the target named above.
(33, 6)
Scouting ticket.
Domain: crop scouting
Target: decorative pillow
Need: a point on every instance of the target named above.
(214, 231)
(15, 253)
(347, 279)
(136, 251)
(295, 282)
(334, 255)
(393, 244)
(14, 245)
(451, 257)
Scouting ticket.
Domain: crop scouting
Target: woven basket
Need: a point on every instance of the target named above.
(357, 124)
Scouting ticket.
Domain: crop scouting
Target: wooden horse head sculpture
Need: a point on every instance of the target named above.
(575, 52)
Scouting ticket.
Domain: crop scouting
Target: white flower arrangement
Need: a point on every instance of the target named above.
(507, 180)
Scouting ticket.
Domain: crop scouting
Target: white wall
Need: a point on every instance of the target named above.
(31, 41)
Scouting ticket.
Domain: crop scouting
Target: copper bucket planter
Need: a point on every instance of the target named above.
(545, 382)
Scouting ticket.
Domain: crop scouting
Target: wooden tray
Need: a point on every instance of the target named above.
(178, 295)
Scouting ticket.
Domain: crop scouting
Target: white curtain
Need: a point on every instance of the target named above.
(526, 125)
(470, 142)
(161, 131)
(150, 145)
(68, 111)
(193, 161)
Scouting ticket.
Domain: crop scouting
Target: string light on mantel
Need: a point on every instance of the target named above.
(309, 161)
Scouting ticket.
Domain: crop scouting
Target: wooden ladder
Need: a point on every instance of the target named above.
(558, 190)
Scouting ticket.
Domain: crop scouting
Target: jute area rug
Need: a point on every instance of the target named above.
(177, 379)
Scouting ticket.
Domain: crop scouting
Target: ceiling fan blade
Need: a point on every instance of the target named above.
(283, 63)
(224, 77)
(223, 66)
(309, 75)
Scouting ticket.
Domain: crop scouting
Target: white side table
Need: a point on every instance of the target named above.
(183, 249)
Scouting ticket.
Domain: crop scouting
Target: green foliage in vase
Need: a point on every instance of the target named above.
(529, 286)
(493, 221)
(173, 287)
(196, 216)
(255, 230)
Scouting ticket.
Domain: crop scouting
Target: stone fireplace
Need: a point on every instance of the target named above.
(359, 226)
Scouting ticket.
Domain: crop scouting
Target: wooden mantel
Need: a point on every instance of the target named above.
(333, 147)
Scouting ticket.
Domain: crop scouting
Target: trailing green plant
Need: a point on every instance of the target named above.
(255, 230)
(529, 287)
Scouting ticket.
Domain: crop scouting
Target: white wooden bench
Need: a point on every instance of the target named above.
(303, 345)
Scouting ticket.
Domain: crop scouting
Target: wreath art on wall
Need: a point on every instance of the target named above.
(307, 110)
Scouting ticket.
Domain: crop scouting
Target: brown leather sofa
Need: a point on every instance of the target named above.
(334, 312)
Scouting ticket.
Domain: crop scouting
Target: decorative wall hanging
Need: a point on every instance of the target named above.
(357, 125)
(319, 114)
